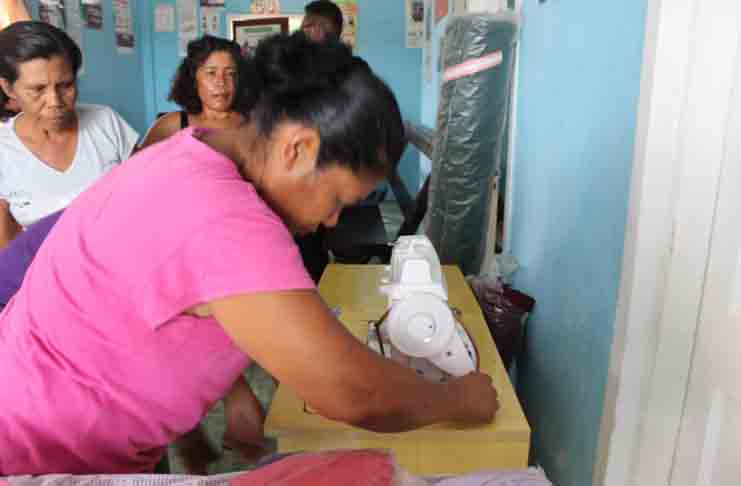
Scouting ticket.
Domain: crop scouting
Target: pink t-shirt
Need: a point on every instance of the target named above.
(99, 369)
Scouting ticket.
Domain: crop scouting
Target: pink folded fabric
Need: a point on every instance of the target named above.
(332, 468)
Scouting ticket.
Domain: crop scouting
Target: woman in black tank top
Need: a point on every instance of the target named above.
(183, 120)
(210, 86)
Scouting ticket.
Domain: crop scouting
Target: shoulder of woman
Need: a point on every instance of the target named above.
(168, 121)
(92, 113)
(162, 128)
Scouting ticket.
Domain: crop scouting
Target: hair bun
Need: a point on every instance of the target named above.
(294, 63)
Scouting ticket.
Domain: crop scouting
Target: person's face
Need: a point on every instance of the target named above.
(216, 81)
(304, 195)
(319, 28)
(46, 90)
(324, 195)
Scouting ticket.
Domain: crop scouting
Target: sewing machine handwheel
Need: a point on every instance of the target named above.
(421, 325)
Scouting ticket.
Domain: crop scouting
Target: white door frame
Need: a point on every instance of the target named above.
(675, 180)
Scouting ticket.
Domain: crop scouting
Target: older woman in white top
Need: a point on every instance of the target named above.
(53, 149)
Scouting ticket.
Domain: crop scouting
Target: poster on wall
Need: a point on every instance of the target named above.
(249, 32)
(211, 21)
(188, 27)
(52, 12)
(265, 7)
(460, 7)
(124, 26)
(164, 18)
(428, 61)
(441, 10)
(92, 13)
(415, 23)
(74, 26)
(350, 22)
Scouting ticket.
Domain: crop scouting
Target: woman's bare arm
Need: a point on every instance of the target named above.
(9, 227)
(164, 127)
(293, 335)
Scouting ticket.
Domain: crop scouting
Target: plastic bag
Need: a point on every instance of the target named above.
(505, 310)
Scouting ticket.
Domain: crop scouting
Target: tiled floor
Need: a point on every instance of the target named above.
(262, 385)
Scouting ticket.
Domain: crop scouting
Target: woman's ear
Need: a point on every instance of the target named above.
(7, 88)
(301, 149)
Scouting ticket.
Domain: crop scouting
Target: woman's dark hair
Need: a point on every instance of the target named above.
(322, 85)
(328, 10)
(184, 90)
(28, 40)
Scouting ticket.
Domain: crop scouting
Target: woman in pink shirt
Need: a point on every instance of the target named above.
(159, 285)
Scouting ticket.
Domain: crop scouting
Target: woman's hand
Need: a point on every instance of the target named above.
(9, 227)
(478, 397)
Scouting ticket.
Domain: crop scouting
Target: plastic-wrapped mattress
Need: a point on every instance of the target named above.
(477, 56)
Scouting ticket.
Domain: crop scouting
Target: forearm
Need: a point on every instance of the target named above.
(410, 403)
(337, 375)
(390, 397)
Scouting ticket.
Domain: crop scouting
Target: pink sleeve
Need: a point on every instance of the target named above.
(248, 256)
(246, 249)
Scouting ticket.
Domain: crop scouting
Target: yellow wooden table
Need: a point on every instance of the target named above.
(437, 449)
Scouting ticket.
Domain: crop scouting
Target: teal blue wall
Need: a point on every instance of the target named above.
(579, 83)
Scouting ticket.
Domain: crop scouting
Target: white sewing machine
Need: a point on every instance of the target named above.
(419, 328)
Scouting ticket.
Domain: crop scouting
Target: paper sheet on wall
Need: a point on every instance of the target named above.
(92, 12)
(265, 7)
(164, 18)
(350, 21)
(124, 26)
(188, 19)
(415, 23)
(74, 28)
(460, 7)
(211, 21)
(428, 61)
(73, 22)
(441, 10)
(52, 12)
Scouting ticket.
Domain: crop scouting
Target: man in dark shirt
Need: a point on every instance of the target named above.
(322, 21)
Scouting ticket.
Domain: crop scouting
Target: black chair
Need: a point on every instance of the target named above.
(360, 234)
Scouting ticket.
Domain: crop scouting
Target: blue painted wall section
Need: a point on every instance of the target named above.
(580, 67)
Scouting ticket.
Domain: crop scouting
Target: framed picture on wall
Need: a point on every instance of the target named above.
(249, 32)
